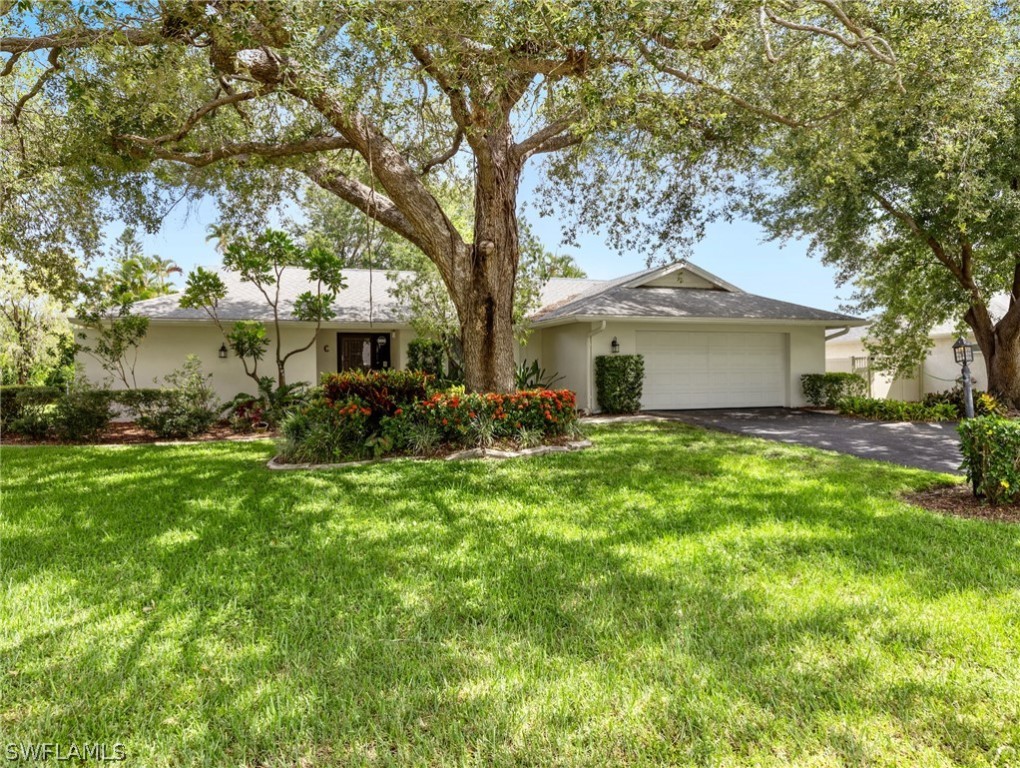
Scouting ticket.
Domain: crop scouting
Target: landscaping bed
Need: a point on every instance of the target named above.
(959, 501)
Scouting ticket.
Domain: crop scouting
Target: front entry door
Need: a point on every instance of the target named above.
(362, 351)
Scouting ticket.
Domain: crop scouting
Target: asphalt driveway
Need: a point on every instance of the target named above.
(912, 444)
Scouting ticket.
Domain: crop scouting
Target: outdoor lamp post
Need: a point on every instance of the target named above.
(963, 353)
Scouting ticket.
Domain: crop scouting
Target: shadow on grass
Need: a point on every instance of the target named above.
(673, 594)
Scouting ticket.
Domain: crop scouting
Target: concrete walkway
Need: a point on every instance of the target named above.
(911, 444)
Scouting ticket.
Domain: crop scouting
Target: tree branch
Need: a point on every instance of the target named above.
(444, 156)
(929, 240)
(53, 68)
(198, 114)
(537, 141)
(702, 83)
(77, 38)
(238, 151)
(365, 199)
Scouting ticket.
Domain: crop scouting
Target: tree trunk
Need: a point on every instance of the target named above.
(485, 273)
(1000, 346)
(1003, 369)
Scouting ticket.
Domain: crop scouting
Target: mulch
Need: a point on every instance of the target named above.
(129, 433)
(959, 500)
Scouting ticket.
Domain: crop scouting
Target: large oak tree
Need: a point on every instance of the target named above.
(146, 103)
(915, 197)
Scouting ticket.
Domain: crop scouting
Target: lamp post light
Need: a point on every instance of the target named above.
(963, 353)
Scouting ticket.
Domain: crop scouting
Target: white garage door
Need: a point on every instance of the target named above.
(688, 369)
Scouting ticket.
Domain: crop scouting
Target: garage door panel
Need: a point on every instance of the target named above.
(691, 369)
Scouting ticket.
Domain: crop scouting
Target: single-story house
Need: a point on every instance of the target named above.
(936, 372)
(706, 343)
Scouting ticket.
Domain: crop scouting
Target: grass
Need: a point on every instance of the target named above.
(672, 596)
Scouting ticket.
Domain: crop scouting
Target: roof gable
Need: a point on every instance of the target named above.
(680, 274)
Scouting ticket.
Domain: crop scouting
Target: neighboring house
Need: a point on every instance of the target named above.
(707, 344)
(938, 371)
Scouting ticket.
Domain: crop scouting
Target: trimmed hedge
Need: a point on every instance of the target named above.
(15, 398)
(619, 380)
(895, 410)
(991, 457)
(426, 356)
(825, 390)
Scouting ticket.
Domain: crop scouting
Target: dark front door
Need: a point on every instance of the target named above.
(362, 351)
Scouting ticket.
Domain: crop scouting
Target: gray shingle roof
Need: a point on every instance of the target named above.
(685, 303)
(367, 298)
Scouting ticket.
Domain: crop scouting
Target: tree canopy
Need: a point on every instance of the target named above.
(635, 103)
(915, 196)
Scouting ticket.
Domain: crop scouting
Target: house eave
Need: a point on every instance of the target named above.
(852, 323)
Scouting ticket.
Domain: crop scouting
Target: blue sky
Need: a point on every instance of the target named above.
(735, 251)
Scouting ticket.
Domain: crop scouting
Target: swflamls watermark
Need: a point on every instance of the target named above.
(42, 751)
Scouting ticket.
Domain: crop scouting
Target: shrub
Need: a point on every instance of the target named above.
(269, 407)
(82, 414)
(618, 382)
(329, 430)
(895, 410)
(985, 403)
(535, 377)
(991, 457)
(426, 356)
(187, 407)
(382, 392)
(14, 398)
(824, 390)
(474, 419)
(325, 431)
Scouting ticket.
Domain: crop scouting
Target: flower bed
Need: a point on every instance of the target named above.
(356, 416)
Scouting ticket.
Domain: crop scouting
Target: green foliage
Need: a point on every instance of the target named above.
(324, 432)
(135, 276)
(619, 380)
(248, 339)
(991, 457)
(985, 403)
(269, 408)
(427, 356)
(355, 417)
(262, 260)
(895, 410)
(826, 389)
(912, 193)
(82, 414)
(382, 392)
(187, 405)
(535, 377)
(113, 334)
(14, 399)
(33, 332)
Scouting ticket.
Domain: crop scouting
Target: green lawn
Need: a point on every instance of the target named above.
(672, 596)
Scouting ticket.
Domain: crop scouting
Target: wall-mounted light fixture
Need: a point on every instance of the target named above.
(325, 347)
(615, 346)
(223, 351)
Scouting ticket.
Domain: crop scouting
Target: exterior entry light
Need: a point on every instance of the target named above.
(223, 351)
(963, 352)
(615, 346)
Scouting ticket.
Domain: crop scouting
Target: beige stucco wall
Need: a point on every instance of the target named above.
(166, 346)
(565, 349)
(936, 373)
